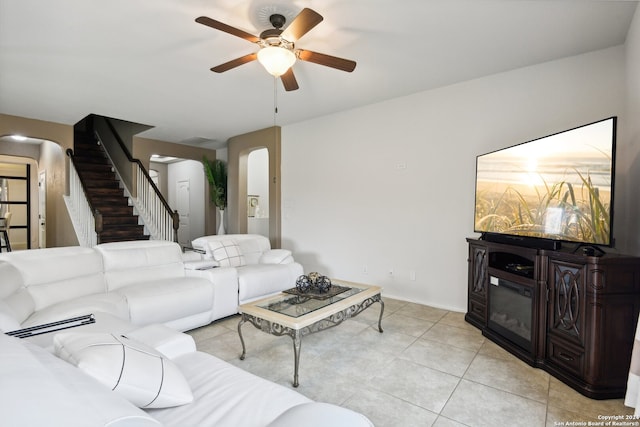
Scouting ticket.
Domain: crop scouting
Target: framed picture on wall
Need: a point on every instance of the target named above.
(253, 202)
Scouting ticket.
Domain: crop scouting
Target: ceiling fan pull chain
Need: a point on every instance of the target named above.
(275, 99)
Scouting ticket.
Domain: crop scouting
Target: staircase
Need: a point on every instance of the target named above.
(104, 192)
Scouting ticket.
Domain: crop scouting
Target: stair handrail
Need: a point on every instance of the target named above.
(86, 220)
(162, 222)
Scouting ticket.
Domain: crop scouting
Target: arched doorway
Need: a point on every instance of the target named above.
(239, 149)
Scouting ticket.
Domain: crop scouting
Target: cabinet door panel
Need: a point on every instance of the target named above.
(567, 301)
(477, 301)
(479, 273)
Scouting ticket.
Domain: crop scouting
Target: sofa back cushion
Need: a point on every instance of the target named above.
(53, 275)
(8, 321)
(126, 263)
(15, 301)
(252, 246)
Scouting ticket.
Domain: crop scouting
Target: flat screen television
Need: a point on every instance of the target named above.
(558, 188)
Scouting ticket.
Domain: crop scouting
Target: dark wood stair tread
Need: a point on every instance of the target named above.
(105, 194)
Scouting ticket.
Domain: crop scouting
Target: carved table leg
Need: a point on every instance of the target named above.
(297, 344)
(244, 350)
(381, 312)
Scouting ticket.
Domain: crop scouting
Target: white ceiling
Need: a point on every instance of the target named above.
(147, 61)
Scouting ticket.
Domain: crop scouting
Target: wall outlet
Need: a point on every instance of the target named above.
(391, 272)
(365, 269)
(412, 275)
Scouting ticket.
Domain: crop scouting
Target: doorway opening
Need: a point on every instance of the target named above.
(182, 183)
(15, 198)
(41, 163)
(258, 192)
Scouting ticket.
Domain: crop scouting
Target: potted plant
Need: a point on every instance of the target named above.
(216, 172)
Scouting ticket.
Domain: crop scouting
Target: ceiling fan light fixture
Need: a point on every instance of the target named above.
(276, 60)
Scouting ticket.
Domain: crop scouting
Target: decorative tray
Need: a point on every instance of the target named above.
(332, 292)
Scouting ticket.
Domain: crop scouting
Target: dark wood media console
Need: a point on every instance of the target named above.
(583, 311)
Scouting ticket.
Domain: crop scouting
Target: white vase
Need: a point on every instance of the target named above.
(221, 224)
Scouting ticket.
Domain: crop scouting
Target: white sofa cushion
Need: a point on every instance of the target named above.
(38, 389)
(227, 253)
(61, 273)
(276, 256)
(226, 396)
(10, 278)
(225, 289)
(134, 370)
(260, 280)
(21, 304)
(253, 246)
(165, 299)
(112, 303)
(8, 321)
(129, 263)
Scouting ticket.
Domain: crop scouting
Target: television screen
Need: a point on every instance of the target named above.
(559, 187)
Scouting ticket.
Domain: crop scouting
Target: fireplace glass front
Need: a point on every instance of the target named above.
(510, 309)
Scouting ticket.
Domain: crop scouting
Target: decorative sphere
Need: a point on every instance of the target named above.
(323, 284)
(303, 284)
(313, 277)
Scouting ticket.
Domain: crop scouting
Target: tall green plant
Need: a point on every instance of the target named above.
(216, 172)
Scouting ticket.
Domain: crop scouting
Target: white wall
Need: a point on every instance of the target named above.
(629, 156)
(390, 187)
(189, 170)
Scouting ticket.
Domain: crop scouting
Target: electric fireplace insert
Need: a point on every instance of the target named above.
(510, 310)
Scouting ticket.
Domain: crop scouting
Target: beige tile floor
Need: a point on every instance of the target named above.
(428, 368)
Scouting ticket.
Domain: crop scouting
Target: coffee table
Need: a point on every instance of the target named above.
(300, 315)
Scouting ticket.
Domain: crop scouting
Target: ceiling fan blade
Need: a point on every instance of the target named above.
(327, 60)
(289, 80)
(235, 63)
(302, 24)
(227, 29)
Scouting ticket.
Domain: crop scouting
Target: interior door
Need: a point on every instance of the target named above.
(184, 208)
(17, 200)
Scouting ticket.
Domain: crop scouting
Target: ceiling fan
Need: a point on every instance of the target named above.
(277, 47)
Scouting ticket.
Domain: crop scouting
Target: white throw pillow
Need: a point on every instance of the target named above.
(134, 370)
(227, 253)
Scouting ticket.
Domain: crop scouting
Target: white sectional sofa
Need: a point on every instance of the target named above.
(142, 282)
(142, 295)
(40, 389)
(139, 282)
